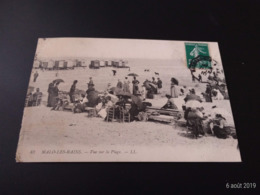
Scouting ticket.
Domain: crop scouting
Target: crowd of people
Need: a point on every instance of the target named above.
(121, 98)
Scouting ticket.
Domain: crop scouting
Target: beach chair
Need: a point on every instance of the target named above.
(91, 111)
(124, 115)
(38, 100)
(110, 114)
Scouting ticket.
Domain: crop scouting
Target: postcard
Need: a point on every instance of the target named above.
(127, 100)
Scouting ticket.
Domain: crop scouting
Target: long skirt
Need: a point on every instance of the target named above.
(220, 133)
(174, 92)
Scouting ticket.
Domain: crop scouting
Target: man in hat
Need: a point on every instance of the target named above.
(72, 91)
(159, 85)
(170, 103)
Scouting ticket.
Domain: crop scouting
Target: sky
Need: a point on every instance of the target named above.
(111, 48)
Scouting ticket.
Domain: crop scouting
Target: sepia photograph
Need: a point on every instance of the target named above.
(127, 100)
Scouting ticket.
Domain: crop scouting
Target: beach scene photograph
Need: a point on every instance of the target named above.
(127, 100)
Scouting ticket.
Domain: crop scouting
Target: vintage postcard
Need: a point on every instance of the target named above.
(127, 100)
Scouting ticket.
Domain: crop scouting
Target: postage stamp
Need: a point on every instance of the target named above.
(197, 55)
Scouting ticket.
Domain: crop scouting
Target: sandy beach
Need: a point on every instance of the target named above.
(43, 128)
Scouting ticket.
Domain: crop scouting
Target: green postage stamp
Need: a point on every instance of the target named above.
(197, 55)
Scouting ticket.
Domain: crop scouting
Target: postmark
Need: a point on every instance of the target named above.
(197, 55)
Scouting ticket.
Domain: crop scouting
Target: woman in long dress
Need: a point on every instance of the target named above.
(54, 95)
(174, 91)
(126, 87)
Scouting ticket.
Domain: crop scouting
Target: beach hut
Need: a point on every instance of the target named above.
(71, 64)
(115, 64)
(45, 65)
(94, 64)
(60, 64)
(36, 64)
(108, 63)
(102, 63)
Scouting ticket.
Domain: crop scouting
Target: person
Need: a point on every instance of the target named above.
(37, 97)
(126, 87)
(135, 86)
(193, 78)
(170, 103)
(55, 95)
(80, 106)
(35, 76)
(90, 81)
(30, 99)
(159, 85)
(102, 112)
(136, 106)
(218, 126)
(72, 91)
(119, 84)
(174, 91)
(200, 78)
(114, 72)
(208, 95)
(192, 96)
(50, 92)
(143, 92)
(194, 117)
(154, 81)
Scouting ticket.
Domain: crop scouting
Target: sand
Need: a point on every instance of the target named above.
(43, 127)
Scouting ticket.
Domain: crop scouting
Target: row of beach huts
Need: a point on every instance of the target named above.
(71, 64)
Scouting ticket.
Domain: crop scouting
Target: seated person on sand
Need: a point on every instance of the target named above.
(80, 104)
(102, 112)
(218, 127)
(137, 106)
(170, 103)
(192, 96)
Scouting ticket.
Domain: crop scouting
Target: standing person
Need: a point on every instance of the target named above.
(154, 81)
(174, 91)
(119, 84)
(36, 74)
(90, 81)
(114, 72)
(159, 84)
(50, 92)
(208, 96)
(72, 91)
(200, 78)
(54, 95)
(135, 86)
(126, 87)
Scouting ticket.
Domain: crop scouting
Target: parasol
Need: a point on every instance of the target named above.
(58, 80)
(193, 104)
(175, 81)
(133, 74)
(125, 94)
